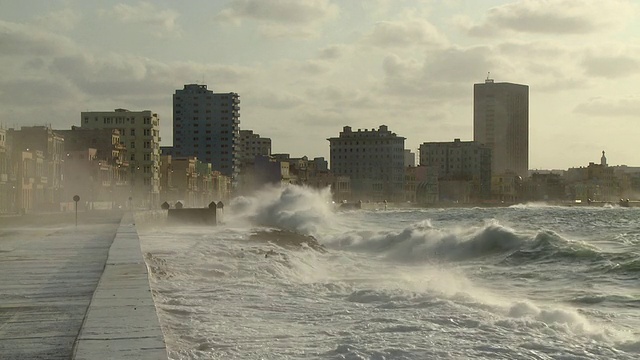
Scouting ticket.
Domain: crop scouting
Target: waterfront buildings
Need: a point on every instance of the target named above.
(207, 125)
(501, 121)
(252, 145)
(7, 185)
(140, 132)
(96, 167)
(36, 155)
(409, 158)
(463, 169)
(372, 159)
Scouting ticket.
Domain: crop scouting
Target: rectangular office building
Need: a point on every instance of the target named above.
(501, 121)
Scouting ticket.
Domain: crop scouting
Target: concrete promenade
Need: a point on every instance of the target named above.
(70, 292)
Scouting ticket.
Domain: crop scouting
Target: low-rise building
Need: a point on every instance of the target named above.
(373, 160)
(140, 132)
(463, 169)
(41, 149)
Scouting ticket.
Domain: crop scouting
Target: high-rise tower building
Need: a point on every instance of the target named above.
(207, 125)
(501, 121)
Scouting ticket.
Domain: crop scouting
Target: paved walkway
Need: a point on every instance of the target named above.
(60, 297)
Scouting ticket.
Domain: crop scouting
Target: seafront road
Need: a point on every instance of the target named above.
(70, 292)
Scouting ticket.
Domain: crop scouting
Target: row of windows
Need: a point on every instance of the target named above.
(112, 120)
(399, 150)
(208, 118)
(444, 151)
(364, 157)
(375, 142)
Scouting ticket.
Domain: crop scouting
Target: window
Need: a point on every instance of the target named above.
(132, 132)
(133, 145)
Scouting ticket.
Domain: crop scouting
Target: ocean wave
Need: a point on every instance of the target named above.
(548, 245)
(296, 208)
(620, 264)
(422, 242)
(533, 205)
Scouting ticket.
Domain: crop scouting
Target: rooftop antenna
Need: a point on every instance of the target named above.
(489, 80)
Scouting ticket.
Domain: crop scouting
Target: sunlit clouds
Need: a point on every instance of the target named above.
(312, 67)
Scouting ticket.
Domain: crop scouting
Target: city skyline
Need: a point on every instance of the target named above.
(304, 70)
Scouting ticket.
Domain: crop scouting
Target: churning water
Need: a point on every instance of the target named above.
(288, 277)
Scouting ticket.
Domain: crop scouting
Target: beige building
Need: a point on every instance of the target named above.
(37, 157)
(373, 160)
(140, 132)
(252, 145)
(7, 184)
(96, 159)
(463, 169)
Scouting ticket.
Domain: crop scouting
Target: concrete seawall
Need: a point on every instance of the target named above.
(121, 321)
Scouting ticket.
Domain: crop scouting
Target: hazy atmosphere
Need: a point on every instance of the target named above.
(304, 69)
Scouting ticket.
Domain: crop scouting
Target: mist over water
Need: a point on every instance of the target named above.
(527, 282)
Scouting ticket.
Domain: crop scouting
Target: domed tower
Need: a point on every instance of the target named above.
(603, 159)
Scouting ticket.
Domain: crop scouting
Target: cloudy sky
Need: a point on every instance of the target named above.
(306, 68)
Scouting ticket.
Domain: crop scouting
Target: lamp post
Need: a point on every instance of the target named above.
(76, 198)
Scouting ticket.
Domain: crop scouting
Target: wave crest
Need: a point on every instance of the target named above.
(296, 208)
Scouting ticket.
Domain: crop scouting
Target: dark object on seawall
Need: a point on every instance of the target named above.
(211, 215)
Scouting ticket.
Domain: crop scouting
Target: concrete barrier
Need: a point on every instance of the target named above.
(121, 321)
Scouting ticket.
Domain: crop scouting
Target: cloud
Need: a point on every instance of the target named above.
(552, 17)
(158, 22)
(36, 92)
(388, 34)
(465, 65)
(280, 11)
(18, 39)
(609, 107)
(332, 52)
(279, 101)
(443, 74)
(63, 20)
(281, 18)
(126, 76)
(339, 99)
(611, 66)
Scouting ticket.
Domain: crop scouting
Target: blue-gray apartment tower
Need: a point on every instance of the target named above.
(207, 125)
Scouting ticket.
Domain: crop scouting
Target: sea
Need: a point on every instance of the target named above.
(288, 275)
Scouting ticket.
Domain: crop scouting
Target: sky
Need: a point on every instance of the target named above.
(304, 69)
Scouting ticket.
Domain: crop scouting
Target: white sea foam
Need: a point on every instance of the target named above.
(412, 284)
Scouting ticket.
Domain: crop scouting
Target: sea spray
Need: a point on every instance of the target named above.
(295, 208)
(415, 284)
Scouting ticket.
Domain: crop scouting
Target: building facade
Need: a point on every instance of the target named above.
(252, 145)
(37, 154)
(466, 165)
(96, 164)
(207, 125)
(140, 132)
(7, 183)
(501, 121)
(374, 161)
